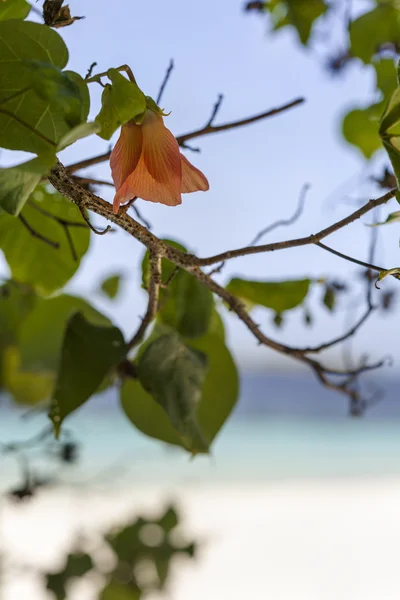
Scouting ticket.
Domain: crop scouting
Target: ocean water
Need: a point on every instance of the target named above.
(298, 501)
(283, 427)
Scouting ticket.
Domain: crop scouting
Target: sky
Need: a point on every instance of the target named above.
(255, 173)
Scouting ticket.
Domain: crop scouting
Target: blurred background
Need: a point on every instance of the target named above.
(298, 500)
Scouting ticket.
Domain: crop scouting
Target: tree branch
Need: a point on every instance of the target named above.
(304, 241)
(206, 130)
(165, 81)
(85, 199)
(38, 235)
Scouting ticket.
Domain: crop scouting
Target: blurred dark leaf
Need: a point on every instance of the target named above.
(88, 353)
(278, 320)
(174, 375)
(120, 591)
(188, 306)
(301, 14)
(42, 332)
(219, 396)
(329, 299)
(77, 565)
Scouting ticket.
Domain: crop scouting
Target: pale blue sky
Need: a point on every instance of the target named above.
(255, 173)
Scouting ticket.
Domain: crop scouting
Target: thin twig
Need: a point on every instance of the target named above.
(182, 139)
(152, 305)
(304, 241)
(158, 249)
(141, 217)
(350, 258)
(165, 81)
(285, 222)
(215, 110)
(273, 226)
(38, 235)
(90, 70)
(234, 124)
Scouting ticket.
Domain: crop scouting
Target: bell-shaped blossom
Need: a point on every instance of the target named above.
(146, 162)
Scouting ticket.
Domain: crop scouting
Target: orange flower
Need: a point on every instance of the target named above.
(146, 162)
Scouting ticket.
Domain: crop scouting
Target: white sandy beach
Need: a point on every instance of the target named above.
(296, 540)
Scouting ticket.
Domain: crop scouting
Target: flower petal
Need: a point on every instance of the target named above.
(126, 153)
(161, 151)
(192, 178)
(158, 173)
(143, 185)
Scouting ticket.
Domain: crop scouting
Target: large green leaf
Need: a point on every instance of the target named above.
(120, 102)
(218, 397)
(374, 28)
(14, 9)
(42, 331)
(361, 128)
(35, 109)
(277, 295)
(88, 354)
(188, 306)
(17, 183)
(174, 375)
(31, 259)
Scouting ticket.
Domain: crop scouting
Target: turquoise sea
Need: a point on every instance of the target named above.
(283, 427)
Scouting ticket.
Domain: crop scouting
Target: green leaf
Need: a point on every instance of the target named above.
(41, 333)
(301, 14)
(83, 89)
(386, 76)
(17, 183)
(277, 295)
(27, 121)
(77, 133)
(31, 259)
(218, 397)
(361, 128)
(394, 156)
(188, 306)
(374, 28)
(14, 9)
(391, 114)
(111, 286)
(174, 375)
(120, 591)
(77, 566)
(88, 354)
(26, 387)
(329, 298)
(392, 218)
(16, 302)
(55, 86)
(120, 102)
